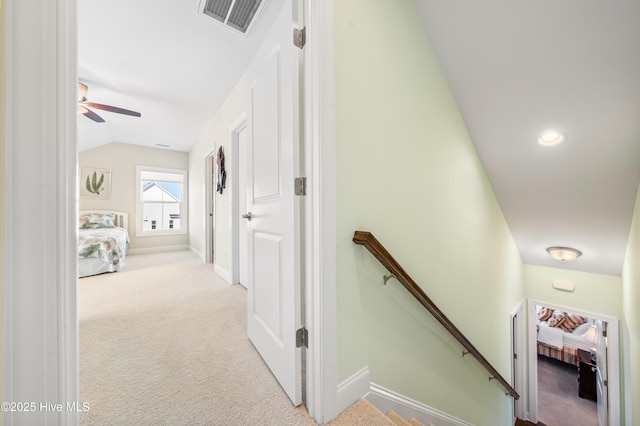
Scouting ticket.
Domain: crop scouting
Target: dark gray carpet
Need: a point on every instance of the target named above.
(558, 401)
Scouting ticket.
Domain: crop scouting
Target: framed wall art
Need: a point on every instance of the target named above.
(95, 183)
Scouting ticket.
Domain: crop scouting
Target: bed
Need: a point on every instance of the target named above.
(561, 334)
(102, 242)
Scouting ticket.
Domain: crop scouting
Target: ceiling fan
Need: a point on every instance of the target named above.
(83, 105)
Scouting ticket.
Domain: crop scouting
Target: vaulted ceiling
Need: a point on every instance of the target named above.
(163, 59)
(520, 68)
(516, 69)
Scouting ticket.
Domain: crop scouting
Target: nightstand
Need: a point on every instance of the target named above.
(586, 375)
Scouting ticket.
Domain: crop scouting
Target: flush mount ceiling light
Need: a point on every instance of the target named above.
(564, 254)
(551, 138)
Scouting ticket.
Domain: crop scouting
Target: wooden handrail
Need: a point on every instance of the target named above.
(373, 245)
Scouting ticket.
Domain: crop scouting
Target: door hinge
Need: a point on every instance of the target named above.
(604, 333)
(605, 383)
(302, 338)
(300, 184)
(299, 37)
(515, 356)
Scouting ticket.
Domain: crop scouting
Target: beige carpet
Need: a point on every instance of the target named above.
(164, 343)
(363, 413)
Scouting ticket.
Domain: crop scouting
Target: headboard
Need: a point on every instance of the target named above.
(121, 219)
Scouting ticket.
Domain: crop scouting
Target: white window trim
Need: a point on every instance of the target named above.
(184, 225)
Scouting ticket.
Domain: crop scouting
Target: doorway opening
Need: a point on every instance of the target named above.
(60, 26)
(567, 351)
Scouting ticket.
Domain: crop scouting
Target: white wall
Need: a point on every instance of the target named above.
(122, 160)
(217, 133)
(408, 172)
(3, 82)
(631, 302)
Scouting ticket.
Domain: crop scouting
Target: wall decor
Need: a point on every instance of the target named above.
(95, 183)
(222, 172)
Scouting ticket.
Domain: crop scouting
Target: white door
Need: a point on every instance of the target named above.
(601, 373)
(243, 263)
(274, 229)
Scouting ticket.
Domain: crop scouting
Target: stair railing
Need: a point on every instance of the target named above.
(367, 240)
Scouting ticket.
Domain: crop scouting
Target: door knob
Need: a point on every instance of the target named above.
(247, 216)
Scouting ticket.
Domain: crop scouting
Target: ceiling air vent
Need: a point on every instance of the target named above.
(237, 14)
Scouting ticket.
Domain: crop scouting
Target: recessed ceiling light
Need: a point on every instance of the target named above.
(564, 254)
(551, 138)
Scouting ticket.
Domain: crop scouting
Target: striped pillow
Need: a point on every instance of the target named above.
(545, 314)
(571, 322)
(557, 319)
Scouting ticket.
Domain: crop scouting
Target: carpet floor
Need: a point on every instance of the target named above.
(164, 343)
(558, 400)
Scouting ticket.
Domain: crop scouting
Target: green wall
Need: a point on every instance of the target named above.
(408, 172)
(596, 293)
(631, 302)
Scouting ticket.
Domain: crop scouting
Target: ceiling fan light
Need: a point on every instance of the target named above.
(551, 138)
(82, 90)
(564, 254)
(84, 106)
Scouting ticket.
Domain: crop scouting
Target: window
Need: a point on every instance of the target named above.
(161, 201)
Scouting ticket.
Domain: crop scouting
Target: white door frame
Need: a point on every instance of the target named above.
(613, 360)
(40, 270)
(41, 63)
(236, 127)
(518, 347)
(320, 208)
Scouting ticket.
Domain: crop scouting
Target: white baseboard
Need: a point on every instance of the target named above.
(199, 254)
(386, 400)
(222, 272)
(161, 249)
(353, 389)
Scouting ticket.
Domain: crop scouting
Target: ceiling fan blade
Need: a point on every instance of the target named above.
(112, 109)
(88, 113)
(82, 90)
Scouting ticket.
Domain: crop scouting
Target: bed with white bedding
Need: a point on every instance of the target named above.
(561, 334)
(102, 242)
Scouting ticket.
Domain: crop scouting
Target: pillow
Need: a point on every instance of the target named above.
(545, 314)
(97, 220)
(571, 322)
(556, 319)
(582, 329)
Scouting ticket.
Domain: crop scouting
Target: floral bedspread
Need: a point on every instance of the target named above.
(107, 244)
